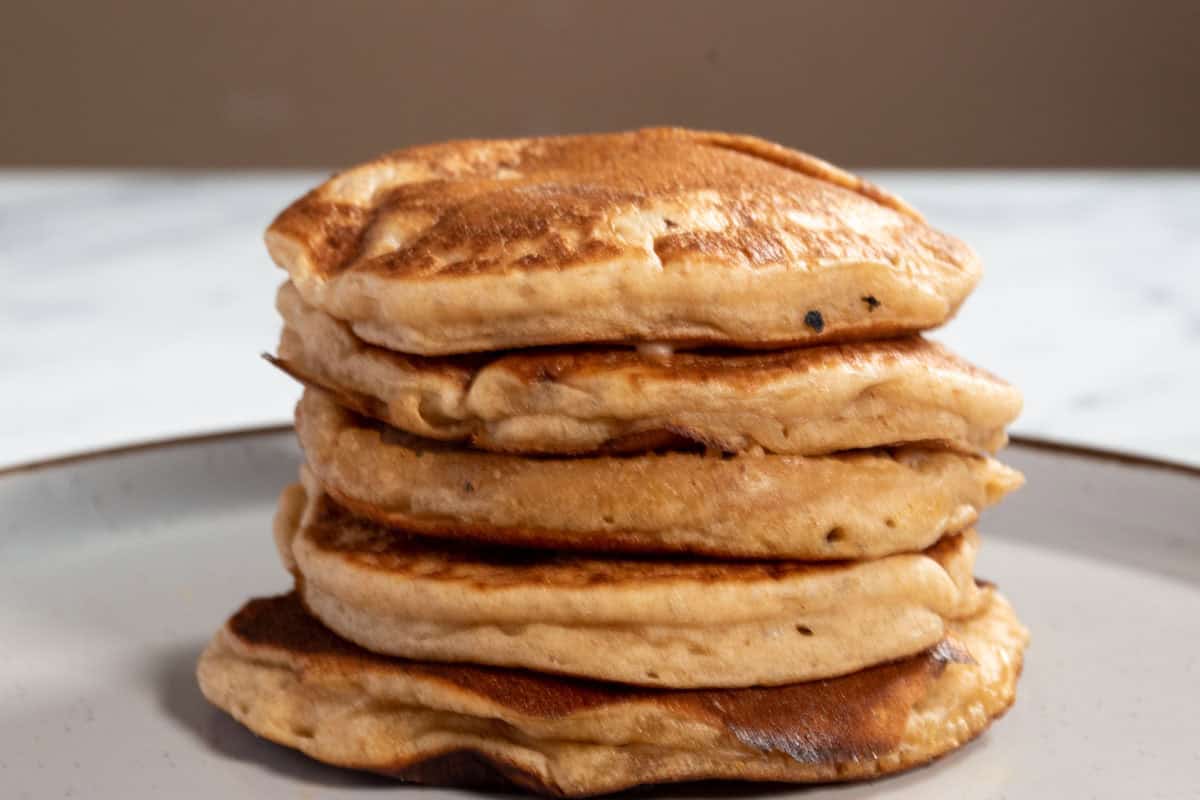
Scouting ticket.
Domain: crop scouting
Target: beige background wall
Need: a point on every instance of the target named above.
(930, 82)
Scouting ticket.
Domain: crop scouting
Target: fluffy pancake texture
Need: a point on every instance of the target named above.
(807, 401)
(653, 622)
(290, 680)
(852, 505)
(653, 235)
(626, 463)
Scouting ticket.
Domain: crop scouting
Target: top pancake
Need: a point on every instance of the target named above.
(654, 235)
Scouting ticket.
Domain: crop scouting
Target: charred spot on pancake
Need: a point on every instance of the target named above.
(872, 302)
(468, 487)
(282, 622)
(468, 769)
(814, 320)
(804, 630)
(835, 535)
(852, 716)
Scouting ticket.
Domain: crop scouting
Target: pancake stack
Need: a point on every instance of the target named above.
(625, 463)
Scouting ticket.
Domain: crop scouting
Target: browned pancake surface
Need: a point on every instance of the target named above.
(481, 196)
(846, 718)
(470, 246)
(484, 567)
(288, 679)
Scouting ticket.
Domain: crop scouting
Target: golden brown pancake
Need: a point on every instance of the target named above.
(288, 679)
(852, 505)
(649, 236)
(652, 622)
(807, 401)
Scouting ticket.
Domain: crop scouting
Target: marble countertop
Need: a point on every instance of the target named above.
(134, 305)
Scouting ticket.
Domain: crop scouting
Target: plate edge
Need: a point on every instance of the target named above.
(1028, 442)
(144, 446)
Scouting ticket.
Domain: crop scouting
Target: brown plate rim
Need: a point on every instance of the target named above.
(1029, 442)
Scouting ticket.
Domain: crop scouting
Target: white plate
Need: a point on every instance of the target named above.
(115, 569)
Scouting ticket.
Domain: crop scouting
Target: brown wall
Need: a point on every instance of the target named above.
(928, 82)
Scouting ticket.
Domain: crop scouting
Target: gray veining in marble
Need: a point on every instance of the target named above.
(134, 305)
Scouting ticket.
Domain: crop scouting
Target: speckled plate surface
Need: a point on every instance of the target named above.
(116, 567)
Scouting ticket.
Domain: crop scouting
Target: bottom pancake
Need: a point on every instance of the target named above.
(288, 679)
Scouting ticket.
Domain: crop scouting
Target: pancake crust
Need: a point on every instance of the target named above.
(852, 505)
(288, 679)
(808, 401)
(653, 622)
(653, 235)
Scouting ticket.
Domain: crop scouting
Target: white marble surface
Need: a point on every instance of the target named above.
(134, 305)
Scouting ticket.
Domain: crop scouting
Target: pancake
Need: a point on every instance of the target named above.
(291, 681)
(650, 236)
(807, 401)
(852, 505)
(652, 622)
